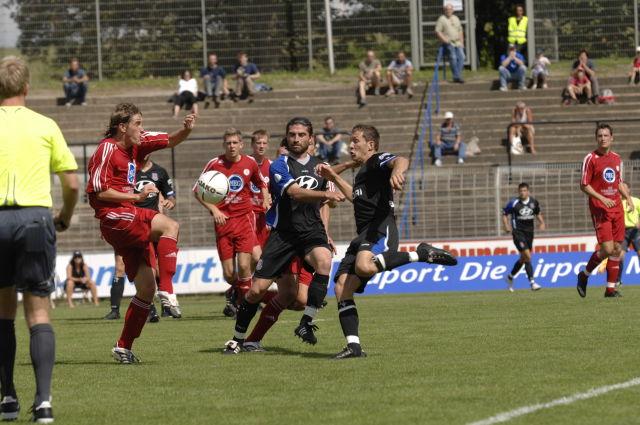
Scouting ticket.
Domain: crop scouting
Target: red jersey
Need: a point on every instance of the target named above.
(257, 198)
(240, 175)
(114, 167)
(604, 174)
(636, 62)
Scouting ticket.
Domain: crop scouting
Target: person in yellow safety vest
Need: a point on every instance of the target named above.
(517, 30)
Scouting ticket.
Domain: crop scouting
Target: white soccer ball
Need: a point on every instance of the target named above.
(212, 187)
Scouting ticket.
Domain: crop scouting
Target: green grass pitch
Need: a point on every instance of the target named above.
(443, 358)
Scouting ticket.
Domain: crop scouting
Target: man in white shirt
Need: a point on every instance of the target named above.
(399, 75)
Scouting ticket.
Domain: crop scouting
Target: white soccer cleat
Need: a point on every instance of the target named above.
(253, 347)
(232, 347)
(535, 286)
(124, 356)
(509, 283)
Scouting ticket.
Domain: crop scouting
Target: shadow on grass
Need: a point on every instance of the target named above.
(274, 350)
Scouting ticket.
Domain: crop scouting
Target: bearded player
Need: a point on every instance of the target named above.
(602, 183)
(129, 229)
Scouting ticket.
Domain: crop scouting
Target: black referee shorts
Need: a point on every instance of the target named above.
(281, 247)
(522, 240)
(27, 250)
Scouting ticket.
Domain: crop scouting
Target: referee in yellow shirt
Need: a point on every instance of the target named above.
(631, 231)
(31, 148)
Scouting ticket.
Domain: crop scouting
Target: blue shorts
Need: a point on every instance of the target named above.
(631, 236)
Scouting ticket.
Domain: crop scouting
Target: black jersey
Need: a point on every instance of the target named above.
(522, 213)
(158, 176)
(372, 191)
(285, 214)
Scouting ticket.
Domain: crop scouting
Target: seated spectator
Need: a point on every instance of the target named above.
(512, 69)
(399, 75)
(540, 71)
(329, 142)
(522, 114)
(449, 141)
(245, 74)
(78, 277)
(369, 77)
(584, 63)
(187, 94)
(579, 85)
(634, 75)
(76, 84)
(214, 81)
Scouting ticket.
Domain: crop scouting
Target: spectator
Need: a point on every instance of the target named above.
(214, 81)
(517, 30)
(522, 114)
(187, 94)
(579, 85)
(399, 75)
(245, 74)
(76, 83)
(449, 141)
(370, 69)
(449, 32)
(583, 62)
(634, 75)
(512, 69)
(78, 277)
(329, 142)
(540, 71)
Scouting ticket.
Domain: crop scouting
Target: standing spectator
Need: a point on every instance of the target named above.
(214, 81)
(584, 63)
(76, 83)
(540, 71)
(449, 141)
(32, 147)
(329, 142)
(245, 74)
(634, 75)
(517, 30)
(512, 69)
(78, 276)
(522, 114)
(187, 94)
(449, 32)
(369, 77)
(400, 74)
(579, 85)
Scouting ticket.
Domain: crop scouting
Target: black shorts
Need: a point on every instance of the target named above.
(522, 240)
(631, 236)
(378, 237)
(27, 250)
(281, 247)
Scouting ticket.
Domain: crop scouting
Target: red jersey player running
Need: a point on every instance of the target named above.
(602, 182)
(131, 230)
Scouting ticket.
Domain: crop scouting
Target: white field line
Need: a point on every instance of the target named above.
(525, 410)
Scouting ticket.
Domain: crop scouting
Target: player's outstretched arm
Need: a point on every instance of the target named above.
(330, 174)
(112, 195)
(343, 166)
(70, 189)
(181, 135)
(300, 194)
(399, 165)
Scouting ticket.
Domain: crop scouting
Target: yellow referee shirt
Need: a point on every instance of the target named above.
(631, 218)
(31, 148)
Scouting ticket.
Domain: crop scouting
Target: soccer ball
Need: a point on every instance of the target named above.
(212, 187)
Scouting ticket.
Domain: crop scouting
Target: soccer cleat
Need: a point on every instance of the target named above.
(170, 305)
(124, 356)
(229, 310)
(348, 353)
(433, 255)
(509, 280)
(306, 333)
(9, 408)
(613, 294)
(582, 284)
(618, 284)
(113, 315)
(535, 286)
(232, 347)
(43, 413)
(253, 347)
(153, 315)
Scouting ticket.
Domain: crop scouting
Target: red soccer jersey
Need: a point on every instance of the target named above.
(240, 175)
(604, 174)
(114, 167)
(256, 199)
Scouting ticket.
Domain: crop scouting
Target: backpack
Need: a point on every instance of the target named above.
(607, 97)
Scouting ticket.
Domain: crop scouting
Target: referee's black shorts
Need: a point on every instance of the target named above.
(522, 240)
(27, 250)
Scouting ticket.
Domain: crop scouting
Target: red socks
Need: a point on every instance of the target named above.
(268, 318)
(134, 321)
(594, 261)
(613, 270)
(243, 284)
(167, 259)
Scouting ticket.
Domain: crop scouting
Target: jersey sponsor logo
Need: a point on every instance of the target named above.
(357, 192)
(154, 177)
(307, 182)
(140, 184)
(525, 212)
(278, 177)
(254, 188)
(609, 175)
(235, 183)
(131, 173)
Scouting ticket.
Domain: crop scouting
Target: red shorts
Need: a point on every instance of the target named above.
(262, 231)
(296, 267)
(609, 224)
(238, 234)
(128, 231)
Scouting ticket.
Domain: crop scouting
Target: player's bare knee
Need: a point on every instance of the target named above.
(365, 268)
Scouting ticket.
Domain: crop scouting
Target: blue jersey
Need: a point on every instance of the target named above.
(522, 213)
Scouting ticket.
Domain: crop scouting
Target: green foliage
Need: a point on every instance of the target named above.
(384, 46)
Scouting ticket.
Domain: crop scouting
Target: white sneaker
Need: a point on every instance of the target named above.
(503, 88)
(438, 163)
(535, 286)
(509, 283)
(232, 347)
(123, 355)
(253, 347)
(460, 161)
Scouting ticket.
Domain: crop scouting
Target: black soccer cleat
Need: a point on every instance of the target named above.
(582, 284)
(42, 414)
(229, 310)
(305, 331)
(113, 315)
(9, 408)
(348, 353)
(153, 315)
(613, 294)
(433, 255)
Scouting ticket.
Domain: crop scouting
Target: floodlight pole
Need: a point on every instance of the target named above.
(327, 12)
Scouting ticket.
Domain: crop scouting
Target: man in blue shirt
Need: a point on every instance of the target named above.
(213, 80)
(245, 74)
(75, 84)
(512, 69)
